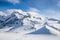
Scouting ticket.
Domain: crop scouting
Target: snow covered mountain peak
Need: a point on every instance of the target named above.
(17, 21)
(22, 18)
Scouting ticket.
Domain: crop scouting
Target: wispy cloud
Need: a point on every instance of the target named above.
(52, 13)
(33, 10)
(2, 13)
(14, 1)
(58, 3)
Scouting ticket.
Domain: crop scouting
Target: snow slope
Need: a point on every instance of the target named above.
(18, 36)
(18, 21)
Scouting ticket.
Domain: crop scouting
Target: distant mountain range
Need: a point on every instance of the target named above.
(32, 23)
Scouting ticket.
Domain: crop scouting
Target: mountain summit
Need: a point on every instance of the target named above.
(27, 22)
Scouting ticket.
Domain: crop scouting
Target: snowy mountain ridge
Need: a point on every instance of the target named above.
(27, 22)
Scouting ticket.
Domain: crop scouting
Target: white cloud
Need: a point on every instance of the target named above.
(14, 1)
(9, 11)
(52, 13)
(34, 10)
(58, 3)
(2, 13)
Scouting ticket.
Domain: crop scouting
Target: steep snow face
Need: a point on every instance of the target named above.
(35, 20)
(27, 22)
(53, 26)
(18, 20)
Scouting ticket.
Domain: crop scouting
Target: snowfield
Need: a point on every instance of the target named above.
(20, 25)
(18, 36)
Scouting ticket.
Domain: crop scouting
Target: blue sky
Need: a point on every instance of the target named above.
(49, 8)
